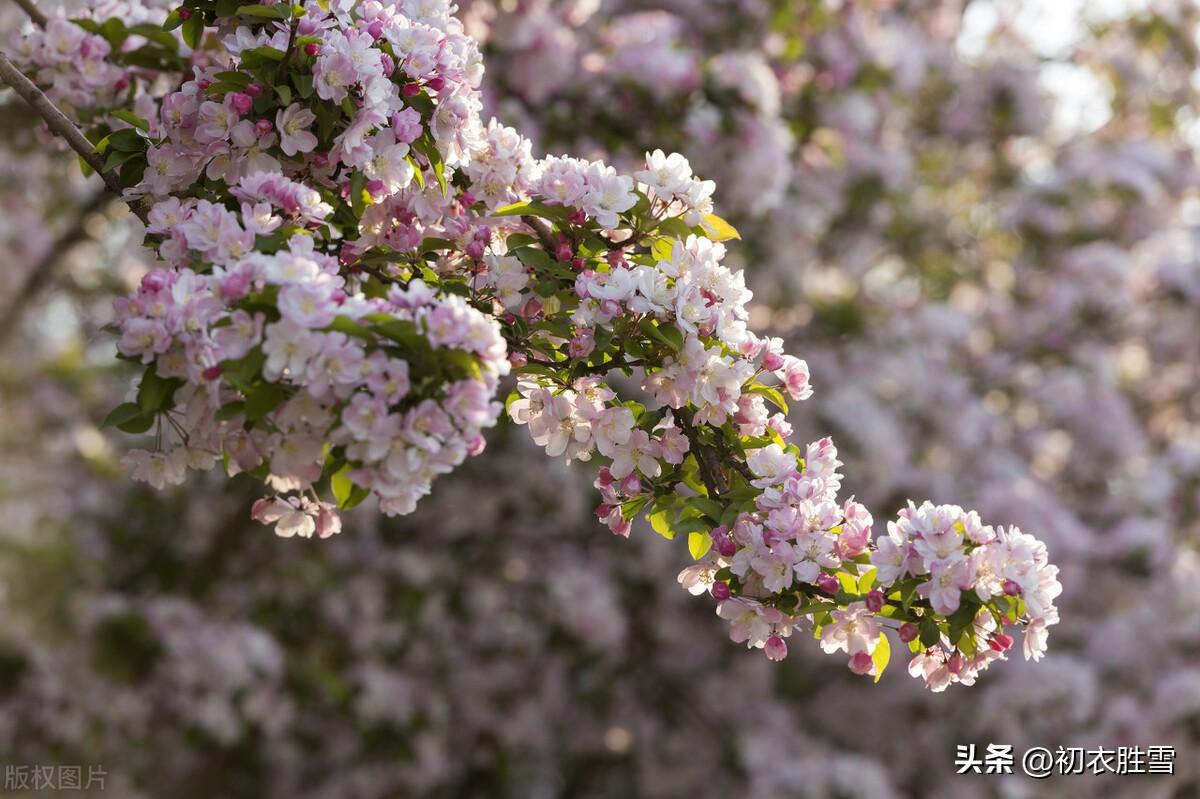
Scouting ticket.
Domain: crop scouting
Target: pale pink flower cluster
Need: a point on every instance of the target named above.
(953, 552)
(73, 65)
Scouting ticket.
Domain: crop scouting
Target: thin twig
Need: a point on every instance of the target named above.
(56, 120)
(40, 275)
(544, 233)
(33, 11)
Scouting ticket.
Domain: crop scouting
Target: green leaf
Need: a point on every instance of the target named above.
(157, 35)
(127, 140)
(342, 485)
(660, 522)
(155, 393)
(881, 655)
(536, 259)
(773, 394)
(867, 581)
(533, 209)
(930, 634)
(131, 118)
(849, 582)
(672, 335)
(264, 399)
(344, 324)
(123, 413)
(193, 30)
(719, 229)
(358, 202)
(264, 12)
(710, 508)
(698, 544)
(172, 21)
(230, 410)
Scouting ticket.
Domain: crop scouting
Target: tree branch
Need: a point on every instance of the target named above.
(33, 11)
(56, 120)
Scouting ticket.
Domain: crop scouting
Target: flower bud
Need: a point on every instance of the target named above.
(476, 445)
(955, 664)
(776, 648)
(577, 217)
(909, 632)
(253, 89)
(563, 251)
(211, 373)
(720, 590)
(861, 663)
(240, 102)
(411, 89)
(828, 583)
(1000, 642)
(328, 523)
(1012, 588)
(347, 255)
(772, 361)
(375, 29)
(263, 126)
(875, 600)
(388, 64)
(312, 48)
(604, 477)
(436, 83)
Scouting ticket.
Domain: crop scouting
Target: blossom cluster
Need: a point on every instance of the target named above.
(344, 237)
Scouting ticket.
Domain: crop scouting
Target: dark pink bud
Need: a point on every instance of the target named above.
(726, 546)
(602, 511)
(720, 590)
(375, 29)
(312, 48)
(203, 83)
(615, 257)
(348, 254)
(955, 664)
(578, 264)
(121, 84)
(1012, 588)
(604, 477)
(475, 249)
(389, 66)
(155, 280)
(861, 663)
(339, 297)
(775, 648)
(563, 251)
(466, 198)
(577, 217)
(436, 83)
(1000, 642)
(253, 89)
(611, 307)
(411, 89)
(908, 631)
(263, 126)
(240, 102)
(827, 583)
(875, 600)
(211, 373)
(476, 445)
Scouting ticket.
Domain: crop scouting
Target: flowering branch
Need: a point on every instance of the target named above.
(56, 120)
(34, 13)
(348, 274)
